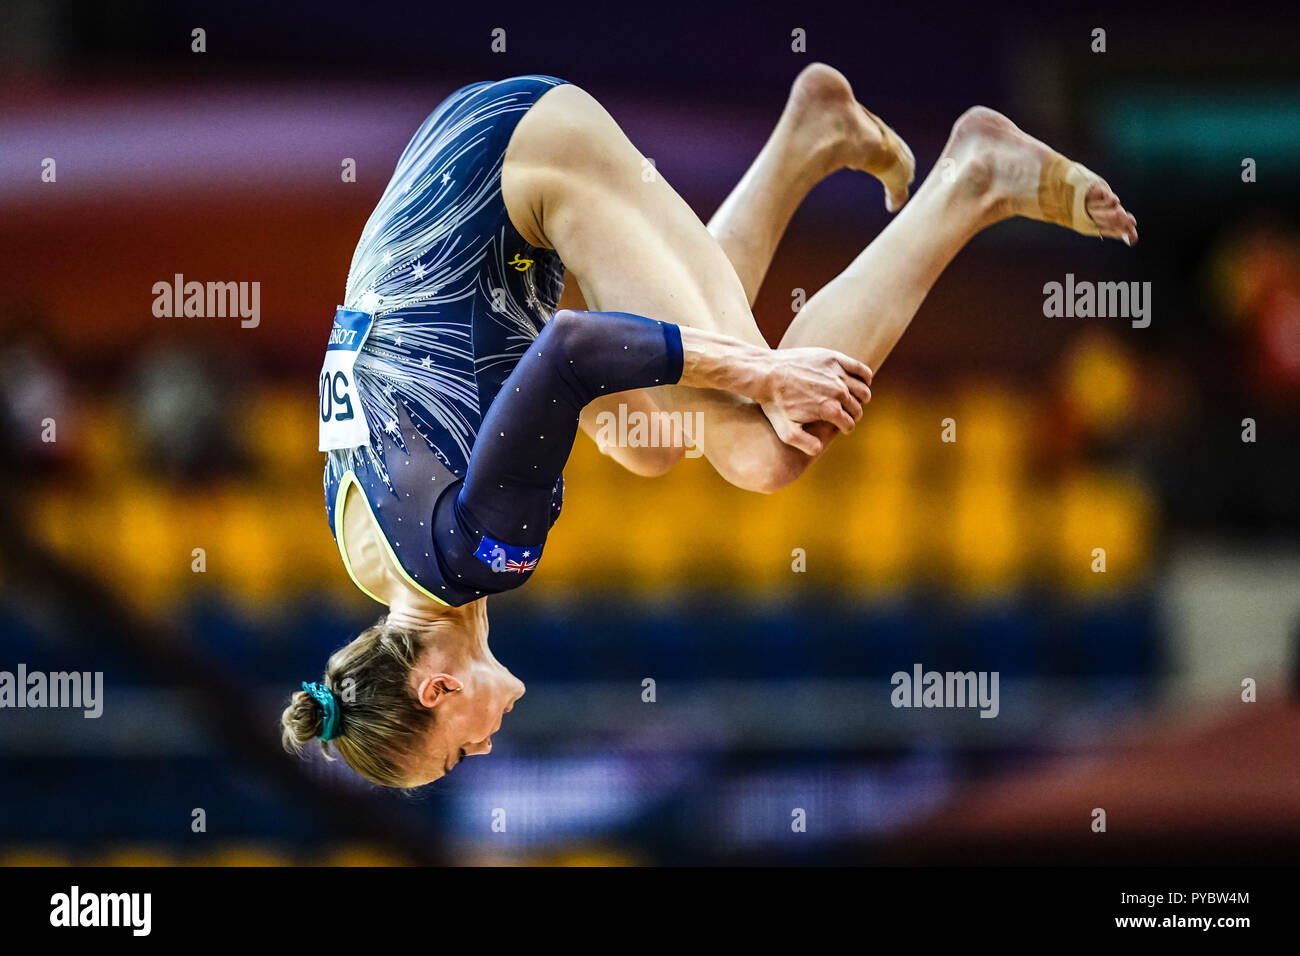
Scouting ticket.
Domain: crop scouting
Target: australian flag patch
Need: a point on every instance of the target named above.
(508, 558)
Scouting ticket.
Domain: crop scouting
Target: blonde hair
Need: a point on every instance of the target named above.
(381, 719)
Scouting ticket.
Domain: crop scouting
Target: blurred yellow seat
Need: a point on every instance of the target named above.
(1094, 510)
(281, 432)
(992, 428)
(987, 544)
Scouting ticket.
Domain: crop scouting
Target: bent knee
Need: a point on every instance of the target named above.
(767, 472)
(647, 462)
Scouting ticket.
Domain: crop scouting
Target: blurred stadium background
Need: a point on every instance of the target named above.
(1119, 690)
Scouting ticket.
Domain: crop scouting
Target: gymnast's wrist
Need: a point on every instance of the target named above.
(767, 375)
(719, 361)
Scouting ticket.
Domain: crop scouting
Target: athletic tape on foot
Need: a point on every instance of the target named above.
(1063, 194)
(342, 418)
(899, 165)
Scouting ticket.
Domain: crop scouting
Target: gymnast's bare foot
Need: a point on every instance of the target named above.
(829, 124)
(1021, 176)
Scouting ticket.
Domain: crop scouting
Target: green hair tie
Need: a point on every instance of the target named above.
(330, 726)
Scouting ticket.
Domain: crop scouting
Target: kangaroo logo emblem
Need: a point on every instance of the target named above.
(521, 265)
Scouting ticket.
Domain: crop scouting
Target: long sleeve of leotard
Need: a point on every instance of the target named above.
(528, 433)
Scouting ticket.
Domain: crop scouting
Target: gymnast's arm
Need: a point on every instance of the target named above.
(508, 493)
(530, 427)
(716, 361)
(624, 351)
(648, 461)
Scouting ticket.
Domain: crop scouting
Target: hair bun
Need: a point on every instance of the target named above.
(302, 721)
(313, 705)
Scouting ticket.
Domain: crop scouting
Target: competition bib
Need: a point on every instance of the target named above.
(342, 419)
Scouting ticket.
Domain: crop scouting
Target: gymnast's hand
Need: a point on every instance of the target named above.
(795, 387)
(808, 385)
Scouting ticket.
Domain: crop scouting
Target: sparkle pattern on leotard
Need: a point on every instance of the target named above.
(456, 293)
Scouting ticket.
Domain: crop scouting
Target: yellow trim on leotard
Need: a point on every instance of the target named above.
(351, 479)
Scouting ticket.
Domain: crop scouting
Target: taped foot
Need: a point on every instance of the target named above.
(1017, 175)
(826, 121)
(894, 165)
(1073, 196)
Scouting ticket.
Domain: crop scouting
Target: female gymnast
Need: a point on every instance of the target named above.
(453, 389)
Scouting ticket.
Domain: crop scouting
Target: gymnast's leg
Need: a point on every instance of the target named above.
(991, 170)
(821, 130)
(572, 182)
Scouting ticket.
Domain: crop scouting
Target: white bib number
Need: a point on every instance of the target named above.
(342, 419)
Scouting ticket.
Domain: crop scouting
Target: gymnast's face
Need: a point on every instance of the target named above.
(470, 691)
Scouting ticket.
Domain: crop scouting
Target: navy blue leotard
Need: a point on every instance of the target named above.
(471, 389)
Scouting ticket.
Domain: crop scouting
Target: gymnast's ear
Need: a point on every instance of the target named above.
(435, 689)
